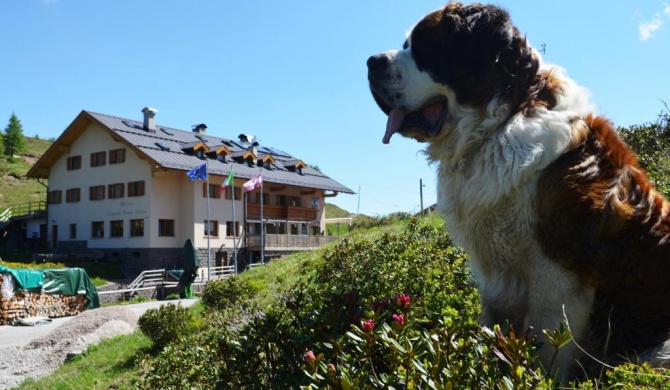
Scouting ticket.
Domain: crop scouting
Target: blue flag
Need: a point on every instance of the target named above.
(198, 173)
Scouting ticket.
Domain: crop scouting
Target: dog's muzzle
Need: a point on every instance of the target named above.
(422, 124)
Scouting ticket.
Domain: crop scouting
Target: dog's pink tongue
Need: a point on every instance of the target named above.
(396, 117)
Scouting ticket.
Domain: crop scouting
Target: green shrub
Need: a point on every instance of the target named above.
(357, 281)
(630, 377)
(140, 299)
(396, 312)
(366, 222)
(227, 293)
(166, 324)
(651, 143)
(178, 366)
(393, 352)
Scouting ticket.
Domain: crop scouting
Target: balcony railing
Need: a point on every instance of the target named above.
(23, 209)
(281, 212)
(284, 241)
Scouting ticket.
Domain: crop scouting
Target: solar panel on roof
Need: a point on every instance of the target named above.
(240, 144)
(162, 146)
(277, 152)
(131, 124)
(166, 131)
(201, 138)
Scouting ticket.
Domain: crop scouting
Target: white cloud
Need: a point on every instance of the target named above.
(647, 29)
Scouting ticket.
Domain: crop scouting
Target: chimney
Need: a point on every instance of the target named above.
(253, 148)
(149, 121)
(246, 138)
(200, 129)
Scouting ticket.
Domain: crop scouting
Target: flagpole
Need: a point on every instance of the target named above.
(262, 227)
(232, 189)
(209, 222)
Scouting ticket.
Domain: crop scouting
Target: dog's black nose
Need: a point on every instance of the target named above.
(378, 61)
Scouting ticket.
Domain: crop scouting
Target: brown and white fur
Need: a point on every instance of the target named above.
(543, 195)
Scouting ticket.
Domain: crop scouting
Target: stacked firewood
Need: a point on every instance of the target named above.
(33, 304)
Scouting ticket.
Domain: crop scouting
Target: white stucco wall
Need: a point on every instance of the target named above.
(220, 210)
(82, 213)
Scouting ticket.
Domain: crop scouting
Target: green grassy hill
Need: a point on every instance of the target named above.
(333, 211)
(15, 188)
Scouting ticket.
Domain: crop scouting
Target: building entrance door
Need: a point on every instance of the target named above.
(54, 237)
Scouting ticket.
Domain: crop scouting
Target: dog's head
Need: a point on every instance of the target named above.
(461, 56)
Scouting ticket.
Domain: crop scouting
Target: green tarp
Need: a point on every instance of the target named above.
(26, 279)
(71, 281)
(65, 281)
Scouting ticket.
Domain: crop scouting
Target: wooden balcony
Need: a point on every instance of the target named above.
(281, 212)
(288, 242)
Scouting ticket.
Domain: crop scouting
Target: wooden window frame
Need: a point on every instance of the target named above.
(215, 228)
(117, 156)
(135, 226)
(98, 159)
(116, 228)
(115, 191)
(72, 195)
(55, 197)
(98, 227)
(214, 192)
(229, 228)
(136, 188)
(73, 163)
(96, 193)
(166, 228)
(237, 191)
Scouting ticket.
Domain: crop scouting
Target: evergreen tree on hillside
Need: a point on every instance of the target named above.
(13, 141)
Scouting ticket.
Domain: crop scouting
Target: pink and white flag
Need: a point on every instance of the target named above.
(255, 182)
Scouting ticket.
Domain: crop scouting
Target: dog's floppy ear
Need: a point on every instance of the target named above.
(517, 67)
(489, 46)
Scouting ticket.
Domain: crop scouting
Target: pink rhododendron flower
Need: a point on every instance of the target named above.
(309, 356)
(368, 325)
(399, 318)
(403, 301)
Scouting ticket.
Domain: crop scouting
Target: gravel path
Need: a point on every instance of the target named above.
(28, 357)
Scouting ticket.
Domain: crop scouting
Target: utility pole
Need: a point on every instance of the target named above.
(421, 194)
(358, 208)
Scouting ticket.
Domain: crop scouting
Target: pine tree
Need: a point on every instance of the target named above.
(13, 140)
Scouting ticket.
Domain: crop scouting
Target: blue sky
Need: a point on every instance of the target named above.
(293, 72)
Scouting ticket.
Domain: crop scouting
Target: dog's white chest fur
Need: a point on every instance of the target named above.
(488, 199)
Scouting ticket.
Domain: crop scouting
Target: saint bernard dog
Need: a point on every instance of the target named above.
(558, 219)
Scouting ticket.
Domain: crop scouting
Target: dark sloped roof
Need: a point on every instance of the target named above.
(173, 143)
